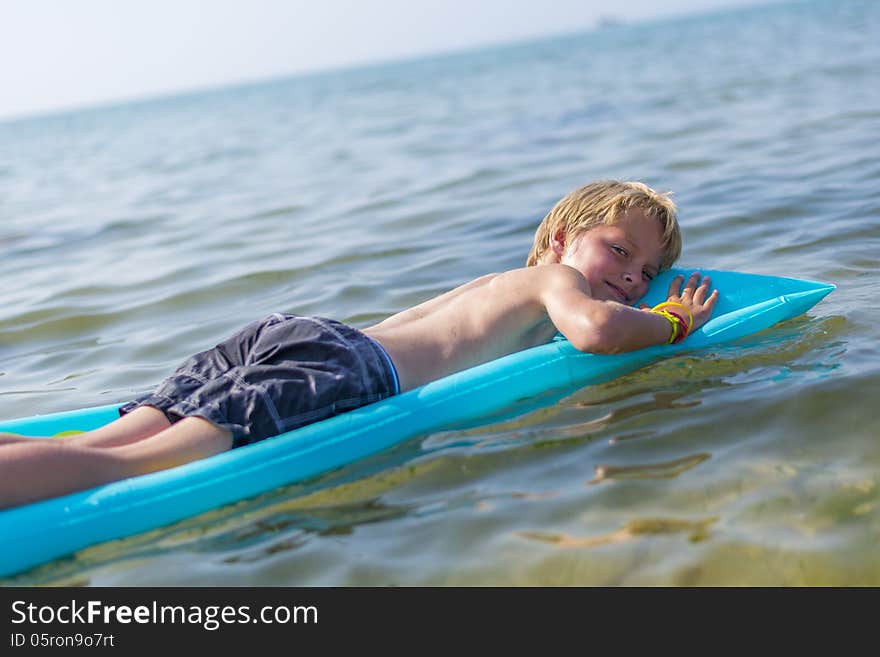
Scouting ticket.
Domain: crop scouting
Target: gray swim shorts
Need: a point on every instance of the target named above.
(277, 374)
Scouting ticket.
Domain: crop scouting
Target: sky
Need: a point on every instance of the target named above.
(62, 54)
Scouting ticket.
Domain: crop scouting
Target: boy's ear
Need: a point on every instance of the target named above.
(557, 243)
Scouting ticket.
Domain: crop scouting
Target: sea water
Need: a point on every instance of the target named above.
(136, 234)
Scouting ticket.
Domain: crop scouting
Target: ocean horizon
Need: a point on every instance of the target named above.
(139, 232)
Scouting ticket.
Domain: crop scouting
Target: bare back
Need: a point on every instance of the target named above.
(489, 317)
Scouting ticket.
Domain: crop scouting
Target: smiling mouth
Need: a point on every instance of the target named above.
(621, 295)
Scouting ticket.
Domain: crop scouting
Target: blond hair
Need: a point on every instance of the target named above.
(603, 203)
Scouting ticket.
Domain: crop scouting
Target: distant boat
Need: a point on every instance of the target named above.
(604, 22)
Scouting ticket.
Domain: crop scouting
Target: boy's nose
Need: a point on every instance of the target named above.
(633, 285)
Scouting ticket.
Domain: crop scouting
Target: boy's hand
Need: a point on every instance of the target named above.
(695, 295)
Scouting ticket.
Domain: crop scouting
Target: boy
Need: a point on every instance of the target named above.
(594, 255)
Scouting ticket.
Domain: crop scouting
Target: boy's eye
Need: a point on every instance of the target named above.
(648, 275)
(619, 249)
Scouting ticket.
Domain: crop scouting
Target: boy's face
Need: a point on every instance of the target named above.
(619, 260)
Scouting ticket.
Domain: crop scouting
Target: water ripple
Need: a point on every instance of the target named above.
(134, 235)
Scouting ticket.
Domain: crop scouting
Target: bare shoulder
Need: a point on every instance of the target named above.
(540, 277)
(433, 304)
(478, 282)
(543, 278)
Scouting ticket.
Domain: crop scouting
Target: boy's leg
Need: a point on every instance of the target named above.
(141, 423)
(39, 469)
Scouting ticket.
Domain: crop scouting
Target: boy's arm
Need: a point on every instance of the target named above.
(607, 327)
